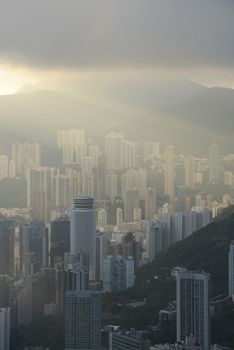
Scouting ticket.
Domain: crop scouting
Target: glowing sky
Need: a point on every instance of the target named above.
(57, 39)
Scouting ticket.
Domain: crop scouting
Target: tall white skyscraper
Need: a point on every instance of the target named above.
(193, 307)
(169, 171)
(83, 231)
(5, 329)
(231, 270)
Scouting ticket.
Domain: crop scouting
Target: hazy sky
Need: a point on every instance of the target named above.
(44, 39)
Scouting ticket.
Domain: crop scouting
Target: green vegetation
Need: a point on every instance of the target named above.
(47, 332)
(205, 250)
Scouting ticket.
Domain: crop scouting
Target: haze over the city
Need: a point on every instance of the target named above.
(115, 62)
(117, 175)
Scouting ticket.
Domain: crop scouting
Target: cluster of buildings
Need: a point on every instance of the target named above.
(120, 174)
(60, 268)
(57, 260)
(192, 312)
(64, 268)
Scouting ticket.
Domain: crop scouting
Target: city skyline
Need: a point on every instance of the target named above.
(117, 175)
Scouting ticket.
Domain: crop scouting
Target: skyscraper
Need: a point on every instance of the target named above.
(73, 278)
(157, 236)
(34, 246)
(4, 329)
(40, 191)
(189, 165)
(134, 179)
(72, 145)
(193, 308)
(129, 154)
(101, 218)
(59, 240)
(177, 227)
(4, 166)
(101, 253)
(62, 192)
(111, 186)
(83, 321)
(118, 273)
(113, 150)
(26, 156)
(214, 163)
(83, 231)
(94, 153)
(6, 247)
(131, 201)
(231, 269)
(150, 203)
(5, 289)
(169, 171)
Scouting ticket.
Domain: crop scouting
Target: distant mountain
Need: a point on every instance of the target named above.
(36, 116)
(149, 94)
(192, 124)
(183, 113)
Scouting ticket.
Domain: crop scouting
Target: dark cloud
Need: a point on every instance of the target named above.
(94, 33)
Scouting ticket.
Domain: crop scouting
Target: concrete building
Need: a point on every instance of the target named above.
(113, 150)
(101, 254)
(132, 340)
(26, 156)
(190, 171)
(72, 144)
(83, 231)
(214, 163)
(131, 201)
(118, 273)
(59, 240)
(193, 307)
(231, 270)
(157, 238)
(83, 321)
(150, 203)
(169, 171)
(5, 329)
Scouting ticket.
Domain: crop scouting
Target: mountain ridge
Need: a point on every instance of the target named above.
(38, 114)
